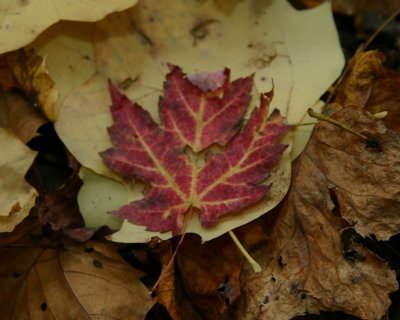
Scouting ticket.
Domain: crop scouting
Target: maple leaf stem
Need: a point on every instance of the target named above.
(303, 124)
(172, 259)
(254, 264)
(323, 117)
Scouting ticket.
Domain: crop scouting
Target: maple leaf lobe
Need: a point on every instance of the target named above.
(202, 113)
(228, 182)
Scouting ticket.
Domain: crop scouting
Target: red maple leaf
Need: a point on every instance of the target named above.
(195, 113)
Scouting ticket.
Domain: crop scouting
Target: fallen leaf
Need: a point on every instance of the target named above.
(18, 114)
(40, 278)
(372, 86)
(149, 36)
(69, 58)
(308, 267)
(18, 196)
(31, 72)
(24, 20)
(7, 79)
(166, 290)
(210, 273)
(228, 182)
(97, 199)
(59, 207)
(84, 111)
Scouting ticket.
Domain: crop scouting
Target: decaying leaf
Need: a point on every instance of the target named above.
(46, 279)
(31, 72)
(308, 268)
(210, 273)
(18, 114)
(7, 79)
(17, 197)
(22, 21)
(59, 208)
(166, 290)
(372, 86)
(227, 182)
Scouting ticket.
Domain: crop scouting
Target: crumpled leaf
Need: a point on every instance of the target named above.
(23, 21)
(228, 182)
(308, 267)
(73, 281)
(372, 86)
(31, 72)
(18, 196)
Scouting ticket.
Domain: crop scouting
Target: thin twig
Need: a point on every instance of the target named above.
(323, 117)
(172, 259)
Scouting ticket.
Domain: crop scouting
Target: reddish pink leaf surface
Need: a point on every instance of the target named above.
(206, 109)
(228, 182)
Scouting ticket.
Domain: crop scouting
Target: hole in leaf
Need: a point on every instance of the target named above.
(221, 288)
(273, 279)
(280, 262)
(373, 145)
(336, 207)
(352, 245)
(88, 249)
(303, 296)
(15, 274)
(97, 263)
(266, 300)
(43, 306)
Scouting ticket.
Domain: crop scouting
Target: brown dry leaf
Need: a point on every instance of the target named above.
(372, 86)
(31, 72)
(17, 196)
(22, 21)
(360, 7)
(59, 208)
(17, 113)
(166, 291)
(308, 268)
(210, 273)
(7, 79)
(47, 281)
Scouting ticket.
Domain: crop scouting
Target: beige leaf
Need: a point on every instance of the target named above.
(69, 57)
(183, 33)
(22, 21)
(302, 66)
(17, 197)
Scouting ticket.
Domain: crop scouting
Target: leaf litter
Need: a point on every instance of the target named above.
(308, 269)
(46, 277)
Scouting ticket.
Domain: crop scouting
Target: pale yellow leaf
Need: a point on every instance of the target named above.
(23, 20)
(133, 48)
(17, 196)
(69, 57)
